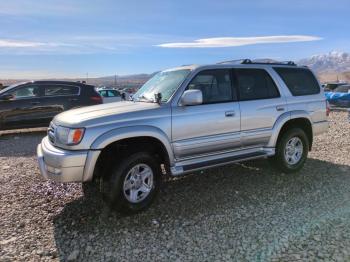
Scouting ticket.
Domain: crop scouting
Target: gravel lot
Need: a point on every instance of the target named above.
(242, 212)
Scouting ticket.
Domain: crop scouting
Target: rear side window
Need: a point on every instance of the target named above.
(59, 90)
(300, 81)
(255, 84)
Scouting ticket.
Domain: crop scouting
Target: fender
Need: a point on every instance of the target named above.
(284, 118)
(130, 132)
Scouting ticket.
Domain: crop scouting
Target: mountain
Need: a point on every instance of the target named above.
(332, 66)
(332, 62)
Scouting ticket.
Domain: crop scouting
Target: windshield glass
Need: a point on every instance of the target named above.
(10, 87)
(165, 83)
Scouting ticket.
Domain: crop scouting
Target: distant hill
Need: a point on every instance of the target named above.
(332, 66)
(331, 62)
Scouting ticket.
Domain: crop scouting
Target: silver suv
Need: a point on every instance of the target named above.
(183, 120)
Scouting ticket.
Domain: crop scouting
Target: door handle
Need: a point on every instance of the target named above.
(230, 113)
(279, 108)
(73, 99)
(34, 103)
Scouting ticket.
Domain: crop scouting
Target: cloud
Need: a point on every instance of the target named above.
(78, 44)
(240, 41)
(18, 43)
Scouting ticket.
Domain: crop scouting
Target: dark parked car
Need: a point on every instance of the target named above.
(34, 104)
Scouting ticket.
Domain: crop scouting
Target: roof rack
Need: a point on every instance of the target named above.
(248, 61)
(237, 61)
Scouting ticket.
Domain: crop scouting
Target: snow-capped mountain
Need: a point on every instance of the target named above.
(331, 62)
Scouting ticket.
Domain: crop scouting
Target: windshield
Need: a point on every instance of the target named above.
(165, 83)
(10, 87)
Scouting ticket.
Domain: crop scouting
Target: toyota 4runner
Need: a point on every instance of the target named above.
(184, 120)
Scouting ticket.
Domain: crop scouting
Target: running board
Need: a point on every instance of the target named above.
(187, 168)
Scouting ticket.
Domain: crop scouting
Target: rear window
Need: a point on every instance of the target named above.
(60, 90)
(300, 81)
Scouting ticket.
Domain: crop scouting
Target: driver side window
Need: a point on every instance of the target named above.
(26, 92)
(215, 86)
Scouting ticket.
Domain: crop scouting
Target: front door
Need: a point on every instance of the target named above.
(24, 109)
(213, 126)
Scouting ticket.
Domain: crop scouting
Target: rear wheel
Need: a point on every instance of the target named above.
(291, 151)
(133, 183)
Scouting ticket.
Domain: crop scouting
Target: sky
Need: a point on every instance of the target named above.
(72, 38)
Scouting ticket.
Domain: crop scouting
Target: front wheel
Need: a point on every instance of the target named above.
(291, 151)
(134, 183)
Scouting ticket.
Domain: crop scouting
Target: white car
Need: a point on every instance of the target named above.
(110, 95)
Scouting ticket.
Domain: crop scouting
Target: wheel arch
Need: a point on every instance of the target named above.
(123, 137)
(289, 120)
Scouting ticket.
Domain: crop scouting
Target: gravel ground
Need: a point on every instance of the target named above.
(242, 212)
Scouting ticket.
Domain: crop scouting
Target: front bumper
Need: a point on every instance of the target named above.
(61, 165)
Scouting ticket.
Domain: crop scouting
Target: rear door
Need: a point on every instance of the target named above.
(303, 91)
(24, 109)
(214, 125)
(57, 98)
(261, 104)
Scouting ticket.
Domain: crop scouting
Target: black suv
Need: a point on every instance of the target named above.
(34, 104)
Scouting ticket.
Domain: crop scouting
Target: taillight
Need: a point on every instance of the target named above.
(328, 110)
(96, 99)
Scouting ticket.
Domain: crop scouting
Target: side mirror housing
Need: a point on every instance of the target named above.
(6, 97)
(192, 97)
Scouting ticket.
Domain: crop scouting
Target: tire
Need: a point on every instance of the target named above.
(119, 189)
(289, 159)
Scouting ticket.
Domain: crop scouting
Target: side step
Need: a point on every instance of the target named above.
(187, 168)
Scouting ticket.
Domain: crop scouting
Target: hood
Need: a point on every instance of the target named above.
(102, 114)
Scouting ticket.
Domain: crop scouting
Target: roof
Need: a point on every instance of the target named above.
(239, 63)
(59, 82)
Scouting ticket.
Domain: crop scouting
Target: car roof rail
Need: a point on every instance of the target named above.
(236, 61)
(249, 61)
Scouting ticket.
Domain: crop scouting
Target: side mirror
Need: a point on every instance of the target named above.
(192, 97)
(6, 97)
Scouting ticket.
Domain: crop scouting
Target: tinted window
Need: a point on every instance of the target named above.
(255, 84)
(58, 90)
(26, 92)
(214, 84)
(113, 93)
(299, 81)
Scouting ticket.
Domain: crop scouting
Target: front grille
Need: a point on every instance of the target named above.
(51, 133)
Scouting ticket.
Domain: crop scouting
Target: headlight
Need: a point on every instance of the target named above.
(69, 136)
